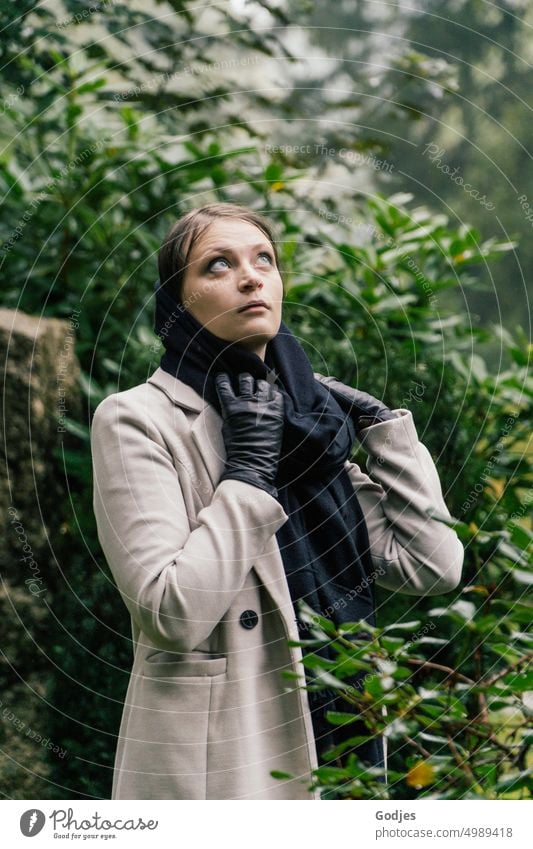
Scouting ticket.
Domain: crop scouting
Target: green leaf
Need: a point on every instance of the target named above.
(76, 428)
(521, 537)
(460, 610)
(401, 673)
(433, 738)
(276, 773)
(274, 172)
(316, 622)
(511, 551)
(94, 85)
(392, 303)
(403, 626)
(522, 577)
(373, 685)
(515, 782)
(340, 718)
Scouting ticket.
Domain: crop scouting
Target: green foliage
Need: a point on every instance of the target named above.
(459, 705)
(459, 730)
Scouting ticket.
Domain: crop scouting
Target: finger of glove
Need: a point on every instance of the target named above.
(263, 392)
(246, 384)
(359, 401)
(322, 379)
(368, 402)
(333, 384)
(224, 389)
(346, 399)
(336, 387)
(278, 402)
(270, 398)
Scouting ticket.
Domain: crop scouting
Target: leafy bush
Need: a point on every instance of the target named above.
(460, 703)
(452, 735)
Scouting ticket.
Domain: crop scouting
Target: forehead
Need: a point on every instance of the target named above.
(230, 233)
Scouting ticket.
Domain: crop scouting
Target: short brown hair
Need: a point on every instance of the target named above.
(178, 243)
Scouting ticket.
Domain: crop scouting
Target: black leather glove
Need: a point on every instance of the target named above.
(252, 430)
(363, 408)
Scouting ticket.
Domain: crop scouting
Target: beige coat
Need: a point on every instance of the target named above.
(207, 713)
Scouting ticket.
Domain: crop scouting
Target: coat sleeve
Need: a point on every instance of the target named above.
(418, 555)
(176, 581)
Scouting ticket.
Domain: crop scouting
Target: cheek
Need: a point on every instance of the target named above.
(216, 304)
(191, 292)
(208, 294)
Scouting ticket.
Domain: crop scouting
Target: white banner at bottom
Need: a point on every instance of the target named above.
(363, 824)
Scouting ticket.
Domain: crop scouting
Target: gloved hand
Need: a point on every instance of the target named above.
(252, 430)
(363, 408)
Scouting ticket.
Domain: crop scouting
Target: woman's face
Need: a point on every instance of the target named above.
(230, 265)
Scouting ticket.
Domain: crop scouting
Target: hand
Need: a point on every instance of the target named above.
(362, 407)
(252, 430)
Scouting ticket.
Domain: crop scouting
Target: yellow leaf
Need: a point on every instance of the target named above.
(497, 485)
(275, 187)
(476, 588)
(420, 775)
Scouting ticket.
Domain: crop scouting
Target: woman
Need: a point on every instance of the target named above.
(223, 493)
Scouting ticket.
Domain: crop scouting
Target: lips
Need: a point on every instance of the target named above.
(253, 304)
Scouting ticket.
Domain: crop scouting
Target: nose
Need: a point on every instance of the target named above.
(250, 279)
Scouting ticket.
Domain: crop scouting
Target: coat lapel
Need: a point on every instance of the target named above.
(206, 432)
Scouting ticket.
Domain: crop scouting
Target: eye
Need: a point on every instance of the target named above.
(215, 260)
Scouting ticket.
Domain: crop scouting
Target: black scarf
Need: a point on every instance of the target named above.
(324, 544)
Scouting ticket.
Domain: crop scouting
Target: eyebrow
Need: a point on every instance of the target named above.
(227, 249)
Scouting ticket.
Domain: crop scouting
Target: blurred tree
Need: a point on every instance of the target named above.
(448, 119)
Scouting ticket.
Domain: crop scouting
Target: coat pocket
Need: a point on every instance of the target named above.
(165, 738)
(163, 664)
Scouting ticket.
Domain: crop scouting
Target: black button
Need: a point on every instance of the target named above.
(249, 619)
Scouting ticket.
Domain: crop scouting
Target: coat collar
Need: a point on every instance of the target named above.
(178, 391)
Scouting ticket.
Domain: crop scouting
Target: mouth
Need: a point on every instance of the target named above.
(256, 305)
